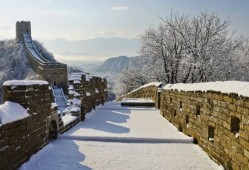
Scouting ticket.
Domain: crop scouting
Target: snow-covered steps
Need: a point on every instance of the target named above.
(59, 98)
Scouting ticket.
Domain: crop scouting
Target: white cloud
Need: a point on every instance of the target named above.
(119, 8)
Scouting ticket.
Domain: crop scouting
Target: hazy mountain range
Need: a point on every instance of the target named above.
(115, 64)
(92, 50)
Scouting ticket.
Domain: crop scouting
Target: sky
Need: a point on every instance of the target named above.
(81, 20)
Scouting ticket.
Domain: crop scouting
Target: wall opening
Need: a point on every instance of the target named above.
(170, 100)
(235, 124)
(180, 104)
(55, 83)
(53, 130)
(93, 105)
(211, 133)
(174, 113)
(187, 119)
(159, 100)
(195, 141)
(102, 100)
(180, 128)
(198, 110)
(27, 31)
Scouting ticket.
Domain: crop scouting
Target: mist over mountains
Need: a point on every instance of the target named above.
(92, 50)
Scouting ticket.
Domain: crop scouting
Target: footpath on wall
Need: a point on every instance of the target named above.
(115, 137)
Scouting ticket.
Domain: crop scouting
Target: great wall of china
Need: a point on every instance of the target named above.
(49, 113)
(218, 121)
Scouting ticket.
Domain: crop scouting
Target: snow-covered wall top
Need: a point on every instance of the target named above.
(157, 84)
(24, 82)
(10, 111)
(227, 87)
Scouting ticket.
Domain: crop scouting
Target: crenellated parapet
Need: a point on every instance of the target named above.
(22, 27)
(215, 114)
(54, 73)
(148, 91)
(30, 120)
(91, 90)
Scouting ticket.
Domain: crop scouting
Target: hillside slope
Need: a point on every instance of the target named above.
(14, 64)
(116, 64)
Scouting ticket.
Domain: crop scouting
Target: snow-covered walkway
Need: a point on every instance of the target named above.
(115, 137)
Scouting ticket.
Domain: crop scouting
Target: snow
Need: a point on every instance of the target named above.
(76, 77)
(88, 94)
(53, 105)
(10, 111)
(71, 87)
(227, 87)
(75, 109)
(71, 92)
(76, 94)
(68, 119)
(157, 84)
(76, 82)
(96, 91)
(24, 82)
(73, 105)
(115, 137)
(137, 100)
(76, 101)
(78, 74)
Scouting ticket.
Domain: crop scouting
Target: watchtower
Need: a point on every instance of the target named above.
(21, 28)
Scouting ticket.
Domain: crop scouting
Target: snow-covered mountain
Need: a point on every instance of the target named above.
(14, 64)
(115, 64)
(111, 70)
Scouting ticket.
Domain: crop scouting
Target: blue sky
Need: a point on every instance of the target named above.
(86, 19)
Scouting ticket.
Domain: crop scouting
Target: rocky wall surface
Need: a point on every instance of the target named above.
(150, 92)
(54, 73)
(218, 122)
(22, 138)
(90, 90)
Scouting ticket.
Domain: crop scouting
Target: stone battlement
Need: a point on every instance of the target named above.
(22, 27)
(20, 139)
(215, 114)
(53, 72)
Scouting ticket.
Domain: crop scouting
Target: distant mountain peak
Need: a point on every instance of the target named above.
(115, 64)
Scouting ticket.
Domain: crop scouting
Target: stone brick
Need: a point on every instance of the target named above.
(217, 110)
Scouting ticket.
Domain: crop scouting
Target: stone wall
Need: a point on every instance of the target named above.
(150, 92)
(22, 138)
(218, 123)
(91, 91)
(53, 73)
(21, 28)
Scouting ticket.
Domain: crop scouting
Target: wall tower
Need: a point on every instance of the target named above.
(21, 28)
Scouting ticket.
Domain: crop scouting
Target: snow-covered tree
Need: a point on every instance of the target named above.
(13, 63)
(190, 49)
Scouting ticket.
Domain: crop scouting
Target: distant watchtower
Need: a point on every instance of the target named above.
(21, 28)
